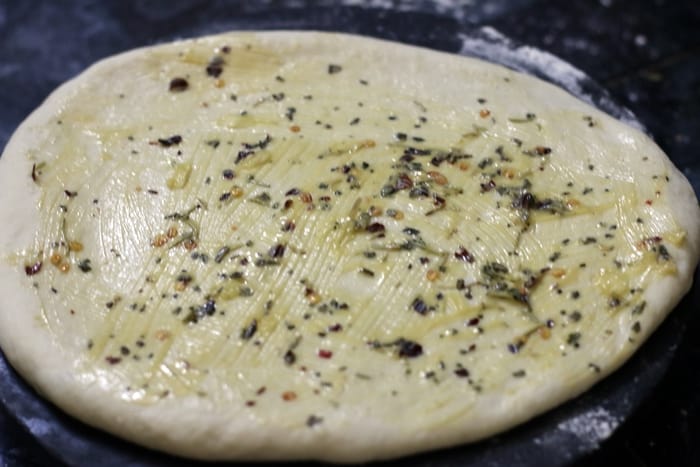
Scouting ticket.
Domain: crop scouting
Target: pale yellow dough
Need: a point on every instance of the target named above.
(286, 310)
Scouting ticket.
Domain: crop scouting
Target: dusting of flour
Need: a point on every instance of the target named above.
(591, 427)
(489, 44)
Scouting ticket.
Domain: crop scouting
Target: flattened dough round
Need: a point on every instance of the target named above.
(301, 245)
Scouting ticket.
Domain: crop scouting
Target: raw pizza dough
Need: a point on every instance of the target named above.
(290, 245)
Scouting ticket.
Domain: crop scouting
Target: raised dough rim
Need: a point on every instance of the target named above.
(121, 416)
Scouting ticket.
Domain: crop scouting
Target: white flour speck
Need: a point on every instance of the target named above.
(591, 427)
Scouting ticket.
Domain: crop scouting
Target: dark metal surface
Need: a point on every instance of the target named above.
(44, 43)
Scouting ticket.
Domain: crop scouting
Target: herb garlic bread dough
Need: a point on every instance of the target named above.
(286, 245)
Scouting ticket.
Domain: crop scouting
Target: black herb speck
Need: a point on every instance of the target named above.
(207, 309)
(408, 349)
(84, 265)
(290, 357)
(215, 66)
(221, 254)
(367, 272)
(290, 112)
(419, 306)
(170, 141)
(639, 309)
(494, 270)
(375, 227)
(277, 251)
(333, 69)
(250, 330)
(463, 255)
(178, 85)
(33, 269)
(574, 339)
(313, 420)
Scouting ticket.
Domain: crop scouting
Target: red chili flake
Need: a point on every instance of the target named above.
(473, 321)
(113, 360)
(648, 202)
(404, 182)
(33, 269)
(289, 396)
(288, 204)
(250, 403)
(289, 226)
(335, 327)
(261, 390)
(306, 197)
(542, 150)
(323, 353)
(463, 255)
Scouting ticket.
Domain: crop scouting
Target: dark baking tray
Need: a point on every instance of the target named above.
(558, 437)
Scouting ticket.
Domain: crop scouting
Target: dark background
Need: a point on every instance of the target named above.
(645, 53)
